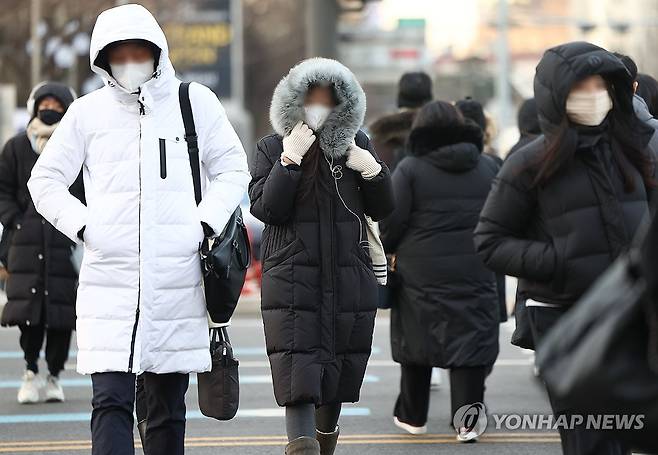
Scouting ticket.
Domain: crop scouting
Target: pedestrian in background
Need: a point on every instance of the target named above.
(140, 307)
(390, 132)
(474, 111)
(647, 89)
(313, 183)
(42, 278)
(446, 313)
(564, 207)
(528, 124)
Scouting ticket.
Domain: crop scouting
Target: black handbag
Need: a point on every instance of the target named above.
(219, 389)
(224, 260)
(388, 293)
(601, 357)
(522, 336)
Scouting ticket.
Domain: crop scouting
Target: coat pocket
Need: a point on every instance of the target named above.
(282, 254)
(163, 159)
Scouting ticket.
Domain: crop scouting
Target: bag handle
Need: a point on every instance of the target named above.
(219, 339)
(190, 137)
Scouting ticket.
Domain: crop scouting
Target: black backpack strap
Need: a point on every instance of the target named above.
(190, 137)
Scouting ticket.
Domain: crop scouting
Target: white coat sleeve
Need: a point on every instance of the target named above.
(225, 163)
(54, 172)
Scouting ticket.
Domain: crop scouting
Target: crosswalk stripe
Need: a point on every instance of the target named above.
(238, 351)
(190, 415)
(85, 381)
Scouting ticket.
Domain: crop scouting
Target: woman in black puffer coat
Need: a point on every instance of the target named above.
(42, 279)
(446, 309)
(314, 181)
(565, 206)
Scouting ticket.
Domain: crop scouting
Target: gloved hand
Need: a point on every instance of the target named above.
(362, 161)
(297, 143)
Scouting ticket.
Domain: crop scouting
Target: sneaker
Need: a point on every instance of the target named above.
(53, 390)
(437, 378)
(409, 428)
(29, 391)
(466, 436)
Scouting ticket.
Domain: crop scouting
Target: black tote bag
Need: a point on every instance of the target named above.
(219, 389)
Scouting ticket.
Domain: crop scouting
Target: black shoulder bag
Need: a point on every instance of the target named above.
(224, 267)
(224, 264)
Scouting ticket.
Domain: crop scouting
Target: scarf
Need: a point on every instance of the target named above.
(39, 133)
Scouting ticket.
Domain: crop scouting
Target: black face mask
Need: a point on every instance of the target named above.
(49, 116)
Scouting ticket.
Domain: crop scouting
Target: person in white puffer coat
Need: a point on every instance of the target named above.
(141, 306)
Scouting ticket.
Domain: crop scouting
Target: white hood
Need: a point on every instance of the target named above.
(127, 22)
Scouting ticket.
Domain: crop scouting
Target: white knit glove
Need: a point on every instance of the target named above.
(297, 143)
(362, 161)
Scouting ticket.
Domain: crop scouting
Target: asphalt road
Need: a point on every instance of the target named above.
(367, 428)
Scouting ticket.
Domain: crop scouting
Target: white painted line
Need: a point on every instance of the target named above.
(190, 415)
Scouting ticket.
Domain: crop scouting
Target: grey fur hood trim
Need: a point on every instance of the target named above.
(340, 128)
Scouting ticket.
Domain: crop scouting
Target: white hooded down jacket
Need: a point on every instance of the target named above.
(140, 302)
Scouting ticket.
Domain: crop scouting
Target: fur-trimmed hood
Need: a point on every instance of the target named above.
(340, 128)
(454, 149)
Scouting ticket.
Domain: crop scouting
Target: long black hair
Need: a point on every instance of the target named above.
(627, 134)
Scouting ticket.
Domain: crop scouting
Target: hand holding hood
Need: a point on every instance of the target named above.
(341, 126)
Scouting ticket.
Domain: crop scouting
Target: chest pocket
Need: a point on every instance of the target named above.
(172, 150)
(174, 163)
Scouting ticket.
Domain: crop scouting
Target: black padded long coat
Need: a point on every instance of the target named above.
(319, 293)
(446, 310)
(42, 281)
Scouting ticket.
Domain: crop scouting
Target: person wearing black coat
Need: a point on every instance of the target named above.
(42, 278)
(566, 205)
(313, 183)
(390, 131)
(528, 123)
(446, 308)
(473, 110)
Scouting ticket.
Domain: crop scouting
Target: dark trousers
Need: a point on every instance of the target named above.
(412, 406)
(112, 415)
(58, 343)
(578, 441)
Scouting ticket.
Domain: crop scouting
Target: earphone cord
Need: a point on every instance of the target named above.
(337, 174)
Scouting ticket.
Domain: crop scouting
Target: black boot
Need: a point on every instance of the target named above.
(303, 446)
(327, 441)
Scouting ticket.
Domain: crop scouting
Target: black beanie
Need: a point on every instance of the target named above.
(414, 89)
(528, 118)
(473, 110)
(63, 93)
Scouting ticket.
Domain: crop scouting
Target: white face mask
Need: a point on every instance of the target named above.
(132, 75)
(315, 115)
(588, 108)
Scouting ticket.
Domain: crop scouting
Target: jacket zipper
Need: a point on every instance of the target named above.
(332, 313)
(163, 159)
(139, 240)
